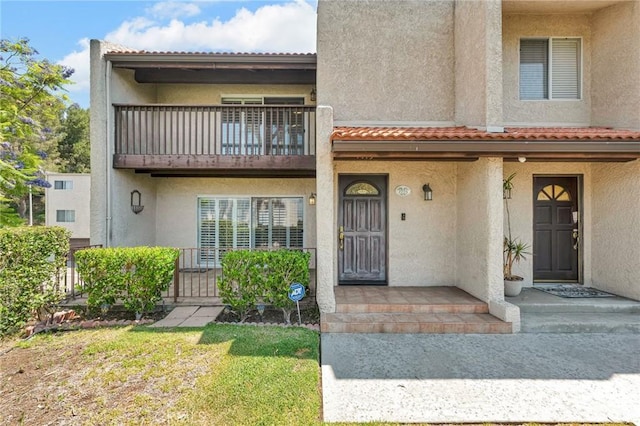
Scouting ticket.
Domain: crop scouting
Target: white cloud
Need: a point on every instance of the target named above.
(79, 61)
(278, 28)
(173, 10)
(283, 27)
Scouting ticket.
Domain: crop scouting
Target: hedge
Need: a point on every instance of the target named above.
(32, 261)
(137, 276)
(257, 277)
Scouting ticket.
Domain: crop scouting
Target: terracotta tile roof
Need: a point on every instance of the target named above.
(343, 133)
(134, 52)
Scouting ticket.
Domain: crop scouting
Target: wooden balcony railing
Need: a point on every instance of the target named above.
(207, 135)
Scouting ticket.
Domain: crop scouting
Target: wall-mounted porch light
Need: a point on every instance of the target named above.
(313, 95)
(428, 193)
(136, 201)
(312, 199)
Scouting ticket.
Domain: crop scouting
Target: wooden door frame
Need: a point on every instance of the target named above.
(339, 214)
(580, 202)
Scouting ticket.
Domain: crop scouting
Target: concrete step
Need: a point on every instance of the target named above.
(417, 308)
(440, 323)
(580, 322)
(617, 305)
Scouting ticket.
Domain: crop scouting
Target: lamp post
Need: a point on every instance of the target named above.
(30, 206)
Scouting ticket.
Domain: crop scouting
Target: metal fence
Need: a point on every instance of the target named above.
(191, 278)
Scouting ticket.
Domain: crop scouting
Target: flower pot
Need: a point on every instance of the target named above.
(512, 287)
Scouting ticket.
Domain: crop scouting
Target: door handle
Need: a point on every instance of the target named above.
(576, 238)
(341, 237)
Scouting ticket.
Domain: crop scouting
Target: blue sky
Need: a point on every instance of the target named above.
(60, 30)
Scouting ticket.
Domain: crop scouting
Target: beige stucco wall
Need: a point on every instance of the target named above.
(128, 228)
(389, 61)
(77, 199)
(212, 94)
(421, 249)
(479, 229)
(616, 228)
(478, 55)
(177, 203)
(124, 88)
(544, 112)
(521, 208)
(616, 66)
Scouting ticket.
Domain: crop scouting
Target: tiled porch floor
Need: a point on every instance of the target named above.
(378, 309)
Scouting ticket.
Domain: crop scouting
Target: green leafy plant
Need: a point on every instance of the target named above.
(284, 267)
(514, 250)
(241, 281)
(262, 276)
(32, 263)
(135, 275)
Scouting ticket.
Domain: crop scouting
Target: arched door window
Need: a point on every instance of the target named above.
(361, 188)
(553, 192)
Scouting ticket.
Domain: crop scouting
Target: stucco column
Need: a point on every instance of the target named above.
(325, 205)
(478, 64)
(99, 144)
(480, 234)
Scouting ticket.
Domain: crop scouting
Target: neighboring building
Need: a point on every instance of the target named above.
(219, 147)
(453, 95)
(67, 204)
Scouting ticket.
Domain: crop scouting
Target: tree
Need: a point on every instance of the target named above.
(74, 145)
(31, 102)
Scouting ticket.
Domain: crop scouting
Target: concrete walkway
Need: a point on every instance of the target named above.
(189, 316)
(481, 378)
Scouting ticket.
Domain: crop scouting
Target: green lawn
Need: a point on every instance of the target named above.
(220, 374)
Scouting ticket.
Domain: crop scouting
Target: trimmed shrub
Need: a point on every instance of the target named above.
(251, 277)
(32, 261)
(135, 275)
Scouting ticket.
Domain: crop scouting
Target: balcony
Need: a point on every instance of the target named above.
(216, 140)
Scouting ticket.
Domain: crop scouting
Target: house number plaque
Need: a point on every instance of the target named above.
(403, 190)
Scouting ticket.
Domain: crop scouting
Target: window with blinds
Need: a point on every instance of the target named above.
(261, 222)
(224, 223)
(550, 69)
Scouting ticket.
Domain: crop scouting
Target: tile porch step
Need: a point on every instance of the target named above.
(440, 323)
(417, 308)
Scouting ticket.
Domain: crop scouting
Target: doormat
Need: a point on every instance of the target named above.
(572, 290)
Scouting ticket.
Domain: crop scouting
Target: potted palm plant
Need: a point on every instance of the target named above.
(514, 250)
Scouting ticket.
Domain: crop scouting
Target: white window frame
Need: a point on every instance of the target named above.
(68, 216)
(579, 70)
(215, 261)
(62, 185)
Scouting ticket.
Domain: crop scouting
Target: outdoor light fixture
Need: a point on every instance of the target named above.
(136, 201)
(428, 193)
(506, 193)
(312, 95)
(522, 159)
(312, 199)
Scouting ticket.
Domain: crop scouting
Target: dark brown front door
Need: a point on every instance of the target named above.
(556, 231)
(362, 222)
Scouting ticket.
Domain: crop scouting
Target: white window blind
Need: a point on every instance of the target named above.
(63, 184)
(565, 69)
(224, 224)
(65, 215)
(277, 222)
(533, 69)
(550, 69)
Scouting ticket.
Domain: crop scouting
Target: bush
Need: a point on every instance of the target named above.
(251, 277)
(32, 261)
(135, 275)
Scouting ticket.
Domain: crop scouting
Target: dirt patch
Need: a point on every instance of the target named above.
(308, 315)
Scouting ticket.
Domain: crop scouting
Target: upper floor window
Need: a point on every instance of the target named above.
(550, 68)
(65, 215)
(63, 184)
